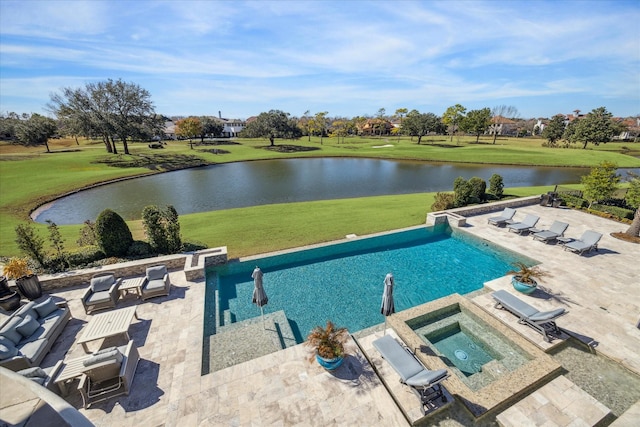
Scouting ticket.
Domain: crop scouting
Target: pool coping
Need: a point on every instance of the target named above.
(502, 392)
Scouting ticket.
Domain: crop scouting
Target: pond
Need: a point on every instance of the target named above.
(243, 184)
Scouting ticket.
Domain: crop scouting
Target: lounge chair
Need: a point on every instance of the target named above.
(108, 373)
(504, 218)
(527, 223)
(586, 243)
(556, 230)
(424, 382)
(156, 283)
(102, 292)
(541, 321)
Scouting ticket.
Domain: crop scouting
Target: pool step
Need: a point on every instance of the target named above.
(249, 339)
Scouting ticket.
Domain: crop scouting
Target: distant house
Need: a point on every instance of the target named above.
(169, 130)
(503, 126)
(372, 127)
(231, 127)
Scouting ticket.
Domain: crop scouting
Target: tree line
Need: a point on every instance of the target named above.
(118, 111)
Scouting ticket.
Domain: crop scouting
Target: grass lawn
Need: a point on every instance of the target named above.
(30, 177)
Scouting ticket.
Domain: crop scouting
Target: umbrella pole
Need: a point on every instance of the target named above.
(262, 314)
(385, 325)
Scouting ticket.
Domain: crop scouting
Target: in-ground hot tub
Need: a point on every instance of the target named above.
(491, 365)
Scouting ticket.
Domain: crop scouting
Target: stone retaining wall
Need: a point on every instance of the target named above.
(456, 216)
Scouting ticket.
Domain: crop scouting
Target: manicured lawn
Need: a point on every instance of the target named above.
(31, 177)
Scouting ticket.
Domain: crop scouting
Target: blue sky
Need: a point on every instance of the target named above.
(348, 58)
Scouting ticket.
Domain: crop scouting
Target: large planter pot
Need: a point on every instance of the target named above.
(10, 301)
(4, 286)
(525, 288)
(329, 364)
(29, 286)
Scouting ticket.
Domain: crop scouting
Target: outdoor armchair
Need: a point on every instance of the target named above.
(156, 283)
(102, 292)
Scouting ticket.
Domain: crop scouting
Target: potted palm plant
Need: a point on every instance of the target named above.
(27, 282)
(328, 345)
(524, 277)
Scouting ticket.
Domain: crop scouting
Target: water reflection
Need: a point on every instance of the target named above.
(281, 181)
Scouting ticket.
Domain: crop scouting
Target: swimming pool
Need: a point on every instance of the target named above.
(343, 282)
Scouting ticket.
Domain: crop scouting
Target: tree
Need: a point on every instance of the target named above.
(320, 124)
(210, 127)
(401, 112)
(30, 243)
(554, 131)
(600, 183)
(596, 127)
(476, 122)
(633, 199)
(273, 124)
(453, 116)
(420, 124)
(340, 129)
(36, 130)
(461, 192)
(110, 109)
(189, 128)
(501, 115)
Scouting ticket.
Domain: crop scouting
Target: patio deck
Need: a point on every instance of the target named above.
(600, 291)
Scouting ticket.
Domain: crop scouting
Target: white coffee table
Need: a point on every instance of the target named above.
(133, 285)
(108, 324)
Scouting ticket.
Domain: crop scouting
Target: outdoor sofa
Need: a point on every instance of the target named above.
(29, 333)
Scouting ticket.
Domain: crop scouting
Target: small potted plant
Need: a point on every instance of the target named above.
(26, 281)
(328, 345)
(524, 277)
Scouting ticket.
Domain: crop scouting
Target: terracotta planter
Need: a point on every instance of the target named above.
(29, 286)
(525, 288)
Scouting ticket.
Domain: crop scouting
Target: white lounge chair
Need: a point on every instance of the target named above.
(425, 383)
(541, 321)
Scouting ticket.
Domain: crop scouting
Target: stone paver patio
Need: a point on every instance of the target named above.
(600, 291)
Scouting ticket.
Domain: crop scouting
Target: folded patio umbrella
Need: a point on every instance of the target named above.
(388, 307)
(259, 295)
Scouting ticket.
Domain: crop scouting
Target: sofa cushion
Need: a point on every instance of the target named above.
(53, 316)
(113, 356)
(45, 308)
(157, 272)
(98, 297)
(7, 348)
(102, 283)
(35, 372)
(33, 349)
(154, 285)
(9, 329)
(28, 326)
(28, 308)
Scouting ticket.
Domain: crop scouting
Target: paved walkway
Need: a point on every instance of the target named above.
(599, 290)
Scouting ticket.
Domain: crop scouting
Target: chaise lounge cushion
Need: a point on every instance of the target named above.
(112, 356)
(546, 315)
(32, 350)
(45, 308)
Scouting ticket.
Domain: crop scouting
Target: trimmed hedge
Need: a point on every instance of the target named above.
(614, 210)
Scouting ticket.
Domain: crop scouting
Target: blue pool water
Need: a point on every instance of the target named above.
(464, 350)
(344, 282)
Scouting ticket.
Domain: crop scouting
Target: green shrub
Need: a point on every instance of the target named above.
(442, 202)
(478, 189)
(461, 192)
(139, 249)
(574, 201)
(85, 255)
(30, 243)
(162, 229)
(87, 234)
(496, 185)
(112, 234)
(614, 210)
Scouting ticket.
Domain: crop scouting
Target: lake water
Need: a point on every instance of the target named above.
(244, 184)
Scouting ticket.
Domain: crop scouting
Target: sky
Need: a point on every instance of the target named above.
(348, 58)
